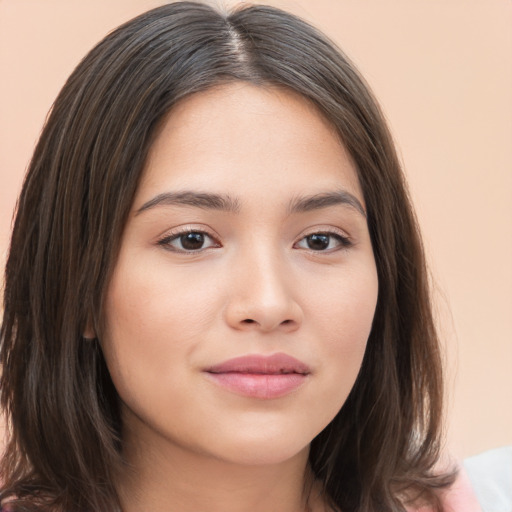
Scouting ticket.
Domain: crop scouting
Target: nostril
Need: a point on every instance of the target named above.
(248, 321)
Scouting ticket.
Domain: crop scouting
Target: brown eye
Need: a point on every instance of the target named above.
(324, 242)
(318, 242)
(190, 241)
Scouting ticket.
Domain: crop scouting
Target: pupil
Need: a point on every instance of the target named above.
(192, 241)
(318, 242)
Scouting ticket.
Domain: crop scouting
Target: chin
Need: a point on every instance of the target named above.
(265, 455)
(264, 449)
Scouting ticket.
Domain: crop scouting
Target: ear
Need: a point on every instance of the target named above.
(89, 332)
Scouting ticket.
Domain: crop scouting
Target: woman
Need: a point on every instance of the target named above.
(216, 296)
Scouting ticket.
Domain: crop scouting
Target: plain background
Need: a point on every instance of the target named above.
(442, 70)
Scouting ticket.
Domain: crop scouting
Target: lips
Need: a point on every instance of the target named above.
(260, 376)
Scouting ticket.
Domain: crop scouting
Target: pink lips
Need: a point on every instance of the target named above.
(260, 376)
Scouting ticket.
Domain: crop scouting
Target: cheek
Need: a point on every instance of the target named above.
(152, 301)
(344, 317)
(344, 309)
(154, 320)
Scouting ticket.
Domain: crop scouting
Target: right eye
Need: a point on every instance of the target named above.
(188, 241)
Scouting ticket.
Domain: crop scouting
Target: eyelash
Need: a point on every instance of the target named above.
(176, 235)
(344, 242)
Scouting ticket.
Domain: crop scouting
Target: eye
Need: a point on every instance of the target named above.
(188, 241)
(324, 242)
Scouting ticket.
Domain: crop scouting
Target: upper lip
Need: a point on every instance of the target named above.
(274, 364)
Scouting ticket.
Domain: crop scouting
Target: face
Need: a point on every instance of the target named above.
(243, 296)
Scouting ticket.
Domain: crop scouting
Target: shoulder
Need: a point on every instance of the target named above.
(459, 497)
(490, 474)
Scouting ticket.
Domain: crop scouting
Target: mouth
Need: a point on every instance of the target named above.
(260, 376)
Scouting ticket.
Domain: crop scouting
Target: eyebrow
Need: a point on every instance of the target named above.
(324, 200)
(222, 202)
(206, 201)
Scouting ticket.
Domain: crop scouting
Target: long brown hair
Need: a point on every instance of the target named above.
(64, 426)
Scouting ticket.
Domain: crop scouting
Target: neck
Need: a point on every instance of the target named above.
(157, 479)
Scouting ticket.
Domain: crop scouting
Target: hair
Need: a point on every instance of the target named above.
(64, 439)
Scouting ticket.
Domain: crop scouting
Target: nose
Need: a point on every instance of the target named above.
(262, 296)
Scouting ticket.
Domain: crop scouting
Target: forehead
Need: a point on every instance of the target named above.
(238, 134)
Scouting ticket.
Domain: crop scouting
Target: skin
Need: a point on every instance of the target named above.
(257, 285)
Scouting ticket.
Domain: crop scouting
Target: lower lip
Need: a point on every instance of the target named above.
(255, 385)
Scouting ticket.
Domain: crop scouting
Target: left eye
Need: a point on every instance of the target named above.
(323, 242)
(191, 241)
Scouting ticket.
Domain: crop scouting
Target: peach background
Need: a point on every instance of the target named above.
(443, 73)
